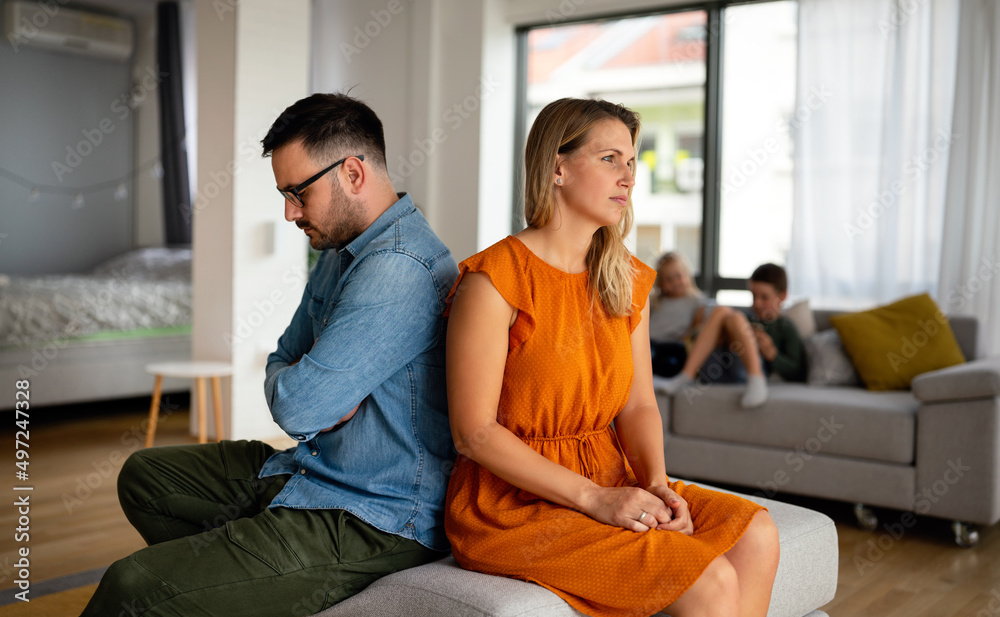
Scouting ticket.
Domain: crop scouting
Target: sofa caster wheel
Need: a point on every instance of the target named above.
(866, 517)
(966, 535)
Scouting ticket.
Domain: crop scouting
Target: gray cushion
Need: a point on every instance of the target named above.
(767, 471)
(807, 579)
(802, 317)
(443, 589)
(808, 568)
(828, 362)
(798, 418)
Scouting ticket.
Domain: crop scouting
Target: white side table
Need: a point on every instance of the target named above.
(189, 370)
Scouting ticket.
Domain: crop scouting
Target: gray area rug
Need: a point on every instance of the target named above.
(55, 585)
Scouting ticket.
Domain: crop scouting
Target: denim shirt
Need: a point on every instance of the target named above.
(369, 331)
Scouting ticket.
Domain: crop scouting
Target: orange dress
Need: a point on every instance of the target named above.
(568, 374)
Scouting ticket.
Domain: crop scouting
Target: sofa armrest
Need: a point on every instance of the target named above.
(978, 379)
(958, 451)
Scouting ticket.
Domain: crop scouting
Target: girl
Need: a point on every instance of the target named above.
(687, 329)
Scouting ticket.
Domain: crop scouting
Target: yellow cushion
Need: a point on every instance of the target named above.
(892, 344)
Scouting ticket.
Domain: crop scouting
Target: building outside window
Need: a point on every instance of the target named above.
(657, 65)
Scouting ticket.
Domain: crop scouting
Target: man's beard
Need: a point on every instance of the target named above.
(342, 222)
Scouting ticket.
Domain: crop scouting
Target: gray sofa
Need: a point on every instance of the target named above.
(806, 580)
(933, 450)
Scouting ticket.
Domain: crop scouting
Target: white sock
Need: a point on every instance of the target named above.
(755, 394)
(674, 384)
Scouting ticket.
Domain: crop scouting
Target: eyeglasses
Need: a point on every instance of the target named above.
(294, 195)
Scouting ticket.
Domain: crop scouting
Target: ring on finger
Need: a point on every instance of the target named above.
(642, 516)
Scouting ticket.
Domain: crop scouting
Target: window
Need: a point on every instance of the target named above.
(660, 65)
(758, 99)
(655, 65)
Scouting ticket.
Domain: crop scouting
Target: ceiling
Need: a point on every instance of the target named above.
(128, 8)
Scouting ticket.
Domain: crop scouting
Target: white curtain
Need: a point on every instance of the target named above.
(871, 153)
(970, 263)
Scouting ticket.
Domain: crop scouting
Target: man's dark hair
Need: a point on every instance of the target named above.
(773, 274)
(329, 126)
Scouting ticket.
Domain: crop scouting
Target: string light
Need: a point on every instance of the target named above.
(78, 195)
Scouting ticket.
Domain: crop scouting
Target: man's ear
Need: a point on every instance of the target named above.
(356, 175)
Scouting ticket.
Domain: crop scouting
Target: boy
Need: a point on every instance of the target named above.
(779, 342)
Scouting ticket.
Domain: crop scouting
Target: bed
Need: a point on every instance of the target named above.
(87, 337)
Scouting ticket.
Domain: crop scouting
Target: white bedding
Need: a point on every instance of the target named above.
(145, 288)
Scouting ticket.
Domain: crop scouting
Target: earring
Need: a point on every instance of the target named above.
(558, 180)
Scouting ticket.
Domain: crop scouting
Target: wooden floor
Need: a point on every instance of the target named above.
(76, 452)
(910, 572)
(76, 524)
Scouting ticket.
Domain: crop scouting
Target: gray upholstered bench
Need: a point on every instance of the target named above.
(807, 579)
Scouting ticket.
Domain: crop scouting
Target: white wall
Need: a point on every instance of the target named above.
(65, 133)
(374, 69)
(212, 225)
(418, 64)
(249, 264)
(269, 252)
(147, 200)
(536, 12)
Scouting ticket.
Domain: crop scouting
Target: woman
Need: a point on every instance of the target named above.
(548, 342)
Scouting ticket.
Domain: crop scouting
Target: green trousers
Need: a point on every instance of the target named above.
(215, 548)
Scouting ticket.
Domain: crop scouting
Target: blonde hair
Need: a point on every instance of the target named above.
(678, 258)
(562, 127)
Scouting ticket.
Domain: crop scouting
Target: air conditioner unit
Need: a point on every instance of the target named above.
(52, 26)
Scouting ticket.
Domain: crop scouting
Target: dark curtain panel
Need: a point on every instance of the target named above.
(173, 147)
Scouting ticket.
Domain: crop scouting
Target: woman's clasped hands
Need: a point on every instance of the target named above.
(637, 509)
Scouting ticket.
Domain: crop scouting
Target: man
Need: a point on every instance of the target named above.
(358, 380)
